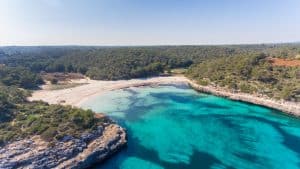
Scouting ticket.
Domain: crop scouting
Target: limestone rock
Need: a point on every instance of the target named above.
(70, 152)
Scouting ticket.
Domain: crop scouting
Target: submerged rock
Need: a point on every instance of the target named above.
(70, 152)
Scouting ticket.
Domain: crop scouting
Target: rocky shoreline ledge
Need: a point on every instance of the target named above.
(70, 152)
(288, 107)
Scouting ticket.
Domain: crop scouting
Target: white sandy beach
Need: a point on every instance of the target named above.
(77, 95)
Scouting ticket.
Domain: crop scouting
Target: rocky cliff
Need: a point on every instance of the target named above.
(69, 152)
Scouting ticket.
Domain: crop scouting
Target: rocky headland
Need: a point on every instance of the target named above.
(69, 152)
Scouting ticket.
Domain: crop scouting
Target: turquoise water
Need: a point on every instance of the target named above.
(174, 127)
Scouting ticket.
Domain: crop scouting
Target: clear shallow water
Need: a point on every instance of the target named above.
(174, 127)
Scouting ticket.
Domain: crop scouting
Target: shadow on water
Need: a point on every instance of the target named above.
(187, 99)
(132, 92)
(176, 97)
(199, 160)
(178, 86)
(134, 113)
(289, 140)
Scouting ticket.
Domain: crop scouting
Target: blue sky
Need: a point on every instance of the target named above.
(148, 22)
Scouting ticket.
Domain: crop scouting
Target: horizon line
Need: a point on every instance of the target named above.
(150, 45)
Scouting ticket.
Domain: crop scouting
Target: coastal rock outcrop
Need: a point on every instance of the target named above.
(69, 152)
(292, 108)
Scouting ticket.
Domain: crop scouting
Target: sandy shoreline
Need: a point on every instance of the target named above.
(78, 95)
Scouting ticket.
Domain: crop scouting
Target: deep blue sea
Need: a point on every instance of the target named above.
(175, 127)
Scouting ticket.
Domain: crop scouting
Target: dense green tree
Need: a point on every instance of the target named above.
(251, 73)
(111, 63)
(20, 77)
